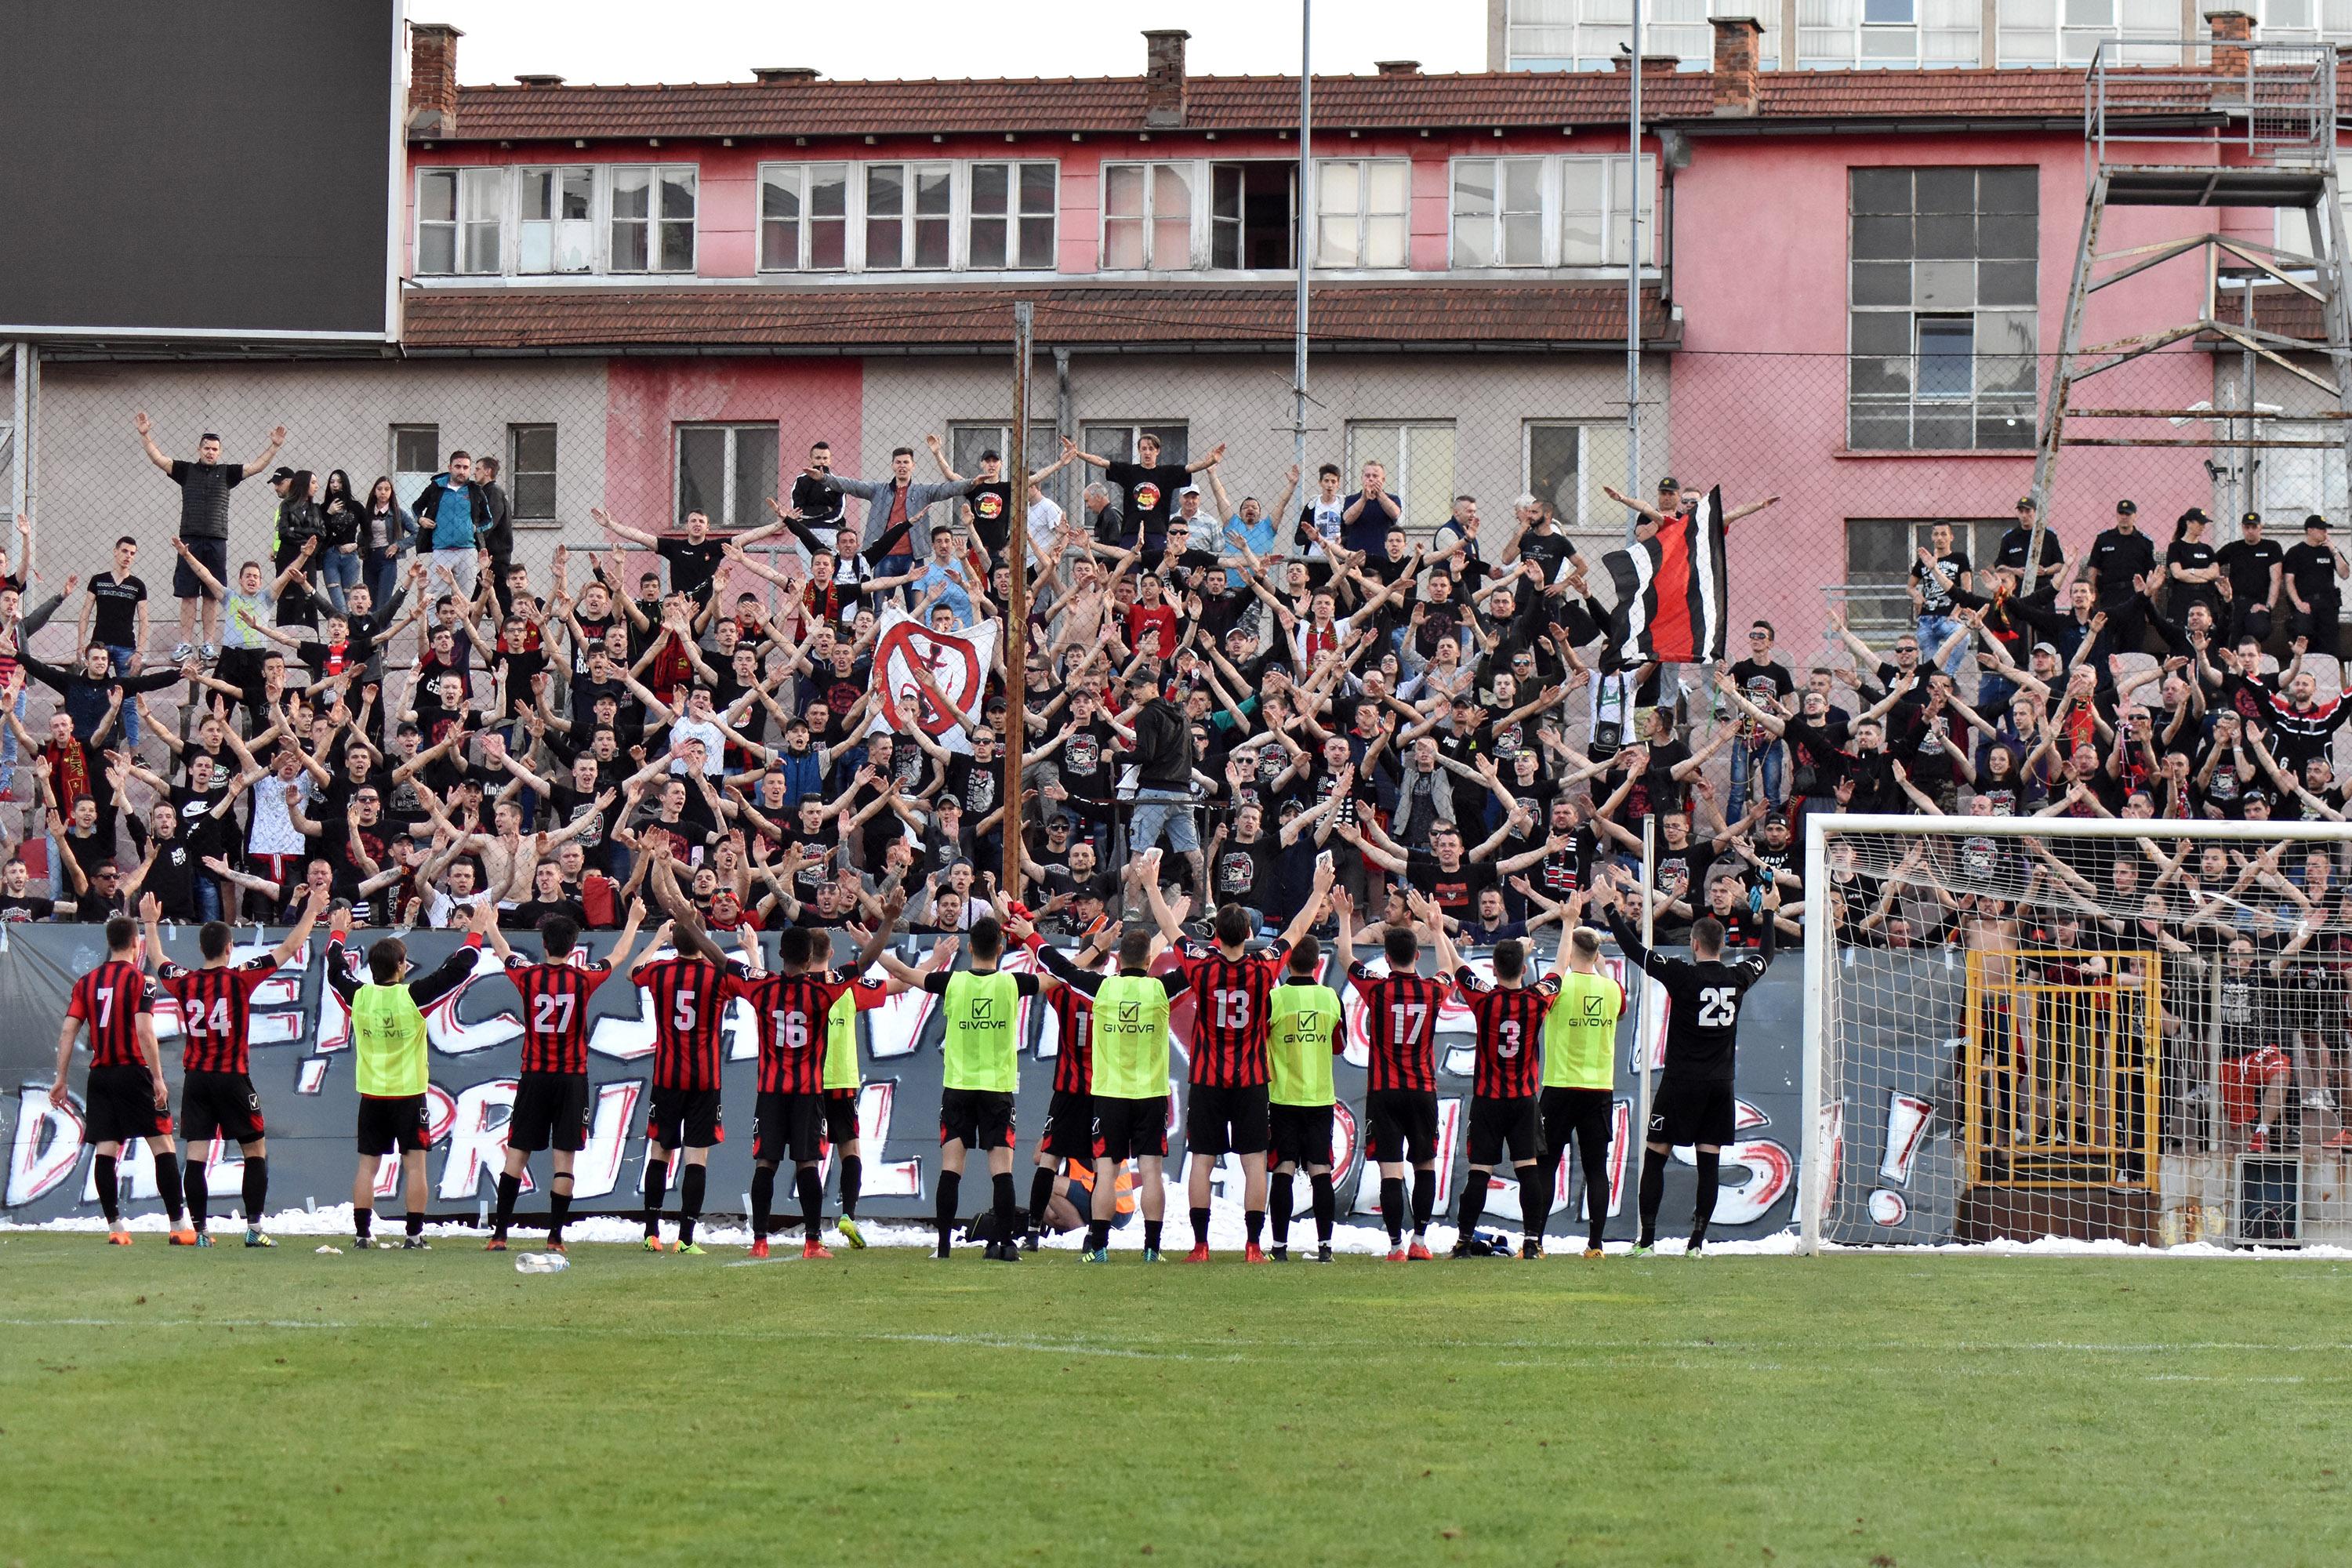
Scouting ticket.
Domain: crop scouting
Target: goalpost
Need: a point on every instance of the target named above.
(2095, 1028)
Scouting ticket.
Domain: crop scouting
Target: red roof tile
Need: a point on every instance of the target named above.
(849, 319)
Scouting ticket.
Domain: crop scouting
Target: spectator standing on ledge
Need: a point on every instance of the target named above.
(453, 514)
(204, 486)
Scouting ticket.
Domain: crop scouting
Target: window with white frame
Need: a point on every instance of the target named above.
(530, 474)
(556, 220)
(1586, 35)
(415, 458)
(1604, 202)
(909, 216)
(1253, 214)
(1568, 463)
(1418, 458)
(1833, 34)
(1499, 207)
(651, 225)
(1359, 211)
(2301, 21)
(2069, 31)
(804, 218)
(2296, 481)
(1009, 224)
(1147, 217)
(459, 213)
(726, 472)
(1552, 211)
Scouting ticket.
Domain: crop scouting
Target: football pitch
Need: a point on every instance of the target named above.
(160, 1406)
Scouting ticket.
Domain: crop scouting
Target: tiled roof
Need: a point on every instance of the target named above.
(823, 108)
(855, 319)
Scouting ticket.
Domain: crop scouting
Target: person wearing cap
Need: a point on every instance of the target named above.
(2250, 580)
(2311, 570)
(2016, 541)
(2118, 558)
(2192, 573)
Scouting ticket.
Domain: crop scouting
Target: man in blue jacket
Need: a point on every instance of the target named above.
(452, 514)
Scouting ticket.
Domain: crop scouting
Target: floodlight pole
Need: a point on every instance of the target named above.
(1013, 646)
(1634, 275)
(24, 403)
(1305, 232)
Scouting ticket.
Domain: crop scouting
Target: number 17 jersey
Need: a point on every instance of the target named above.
(1401, 1023)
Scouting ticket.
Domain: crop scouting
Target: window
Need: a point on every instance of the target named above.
(1012, 219)
(1419, 457)
(1359, 211)
(1880, 552)
(1942, 294)
(726, 472)
(558, 228)
(458, 212)
(652, 219)
(908, 216)
(1568, 463)
(1498, 212)
(1147, 217)
(804, 218)
(1253, 214)
(1584, 35)
(415, 458)
(530, 474)
(1834, 35)
(2068, 32)
(1599, 201)
(966, 442)
(2296, 481)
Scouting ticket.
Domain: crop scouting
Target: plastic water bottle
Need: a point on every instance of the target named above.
(541, 1263)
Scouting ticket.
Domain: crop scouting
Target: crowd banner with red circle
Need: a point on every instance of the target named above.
(926, 678)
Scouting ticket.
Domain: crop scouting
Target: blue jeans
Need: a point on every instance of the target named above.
(1935, 631)
(118, 661)
(208, 898)
(896, 566)
(338, 574)
(382, 576)
(1162, 810)
(8, 747)
(1762, 763)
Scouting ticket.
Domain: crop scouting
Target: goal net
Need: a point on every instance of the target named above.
(2084, 1027)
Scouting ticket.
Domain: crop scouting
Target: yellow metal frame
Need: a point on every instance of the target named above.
(2064, 1094)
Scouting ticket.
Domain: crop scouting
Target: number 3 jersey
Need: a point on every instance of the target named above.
(1400, 1019)
(1703, 1003)
(1510, 1028)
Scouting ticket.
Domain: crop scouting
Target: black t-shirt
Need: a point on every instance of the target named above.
(116, 618)
(527, 915)
(692, 566)
(1935, 600)
(2191, 554)
(991, 516)
(2312, 569)
(1765, 682)
(1245, 873)
(2118, 557)
(15, 911)
(204, 496)
(2247, 564)
(1150, 493)
(2011, 554)
(1455, 891)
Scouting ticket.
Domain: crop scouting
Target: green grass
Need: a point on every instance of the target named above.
(286, 1407)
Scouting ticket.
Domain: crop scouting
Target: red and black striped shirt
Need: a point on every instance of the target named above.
(790, 1010)
(216, 1004)
(1074, 1062)
(689, 1003)
(555, 1010)
(110, 999)
(1230, 996)
(1510, 1033)
(1400, 1019)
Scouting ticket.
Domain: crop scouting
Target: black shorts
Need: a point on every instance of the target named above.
(551, 1112)
(976, 1117)
(1130, 1129)
(684, 1118)
(1069, 1126)
(787, 1127)
(2318, 624)
(1399, 1118)
(1497, 1123)
(1226, 1120)
(123, 1106)
(840, 1116)
(1298, 1135)
(220, 1105)
(394, 1124)
(214, 554)
(1691, 1112)
(1585, 1114)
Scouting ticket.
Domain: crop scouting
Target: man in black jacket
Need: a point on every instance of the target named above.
(1164, 784)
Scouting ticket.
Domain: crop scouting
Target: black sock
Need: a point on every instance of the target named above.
(1199, 1228)
(509, 1189)
(1041, 1194)
(1151, 1229)
(689, 1201)
(197, 1192)
(1710, 1177)
(853, 1171)
(764, 1199)
(812, 1188)
(167, 1182)
(1654, 1189)
(1007, 1204)
(1535, 1202)
(657, 1175)
(1594, 1156)
(362, 1222)
(106, 1170)
(1279, 1194)
(1392, 1209)
(1097, 1235)
(1425, 1200)
(415, 1221)
(256, 1189)
(559, 1205)
(950, 1186)
(1255, 1220)
(1326, 1207)
(1473, 1203)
